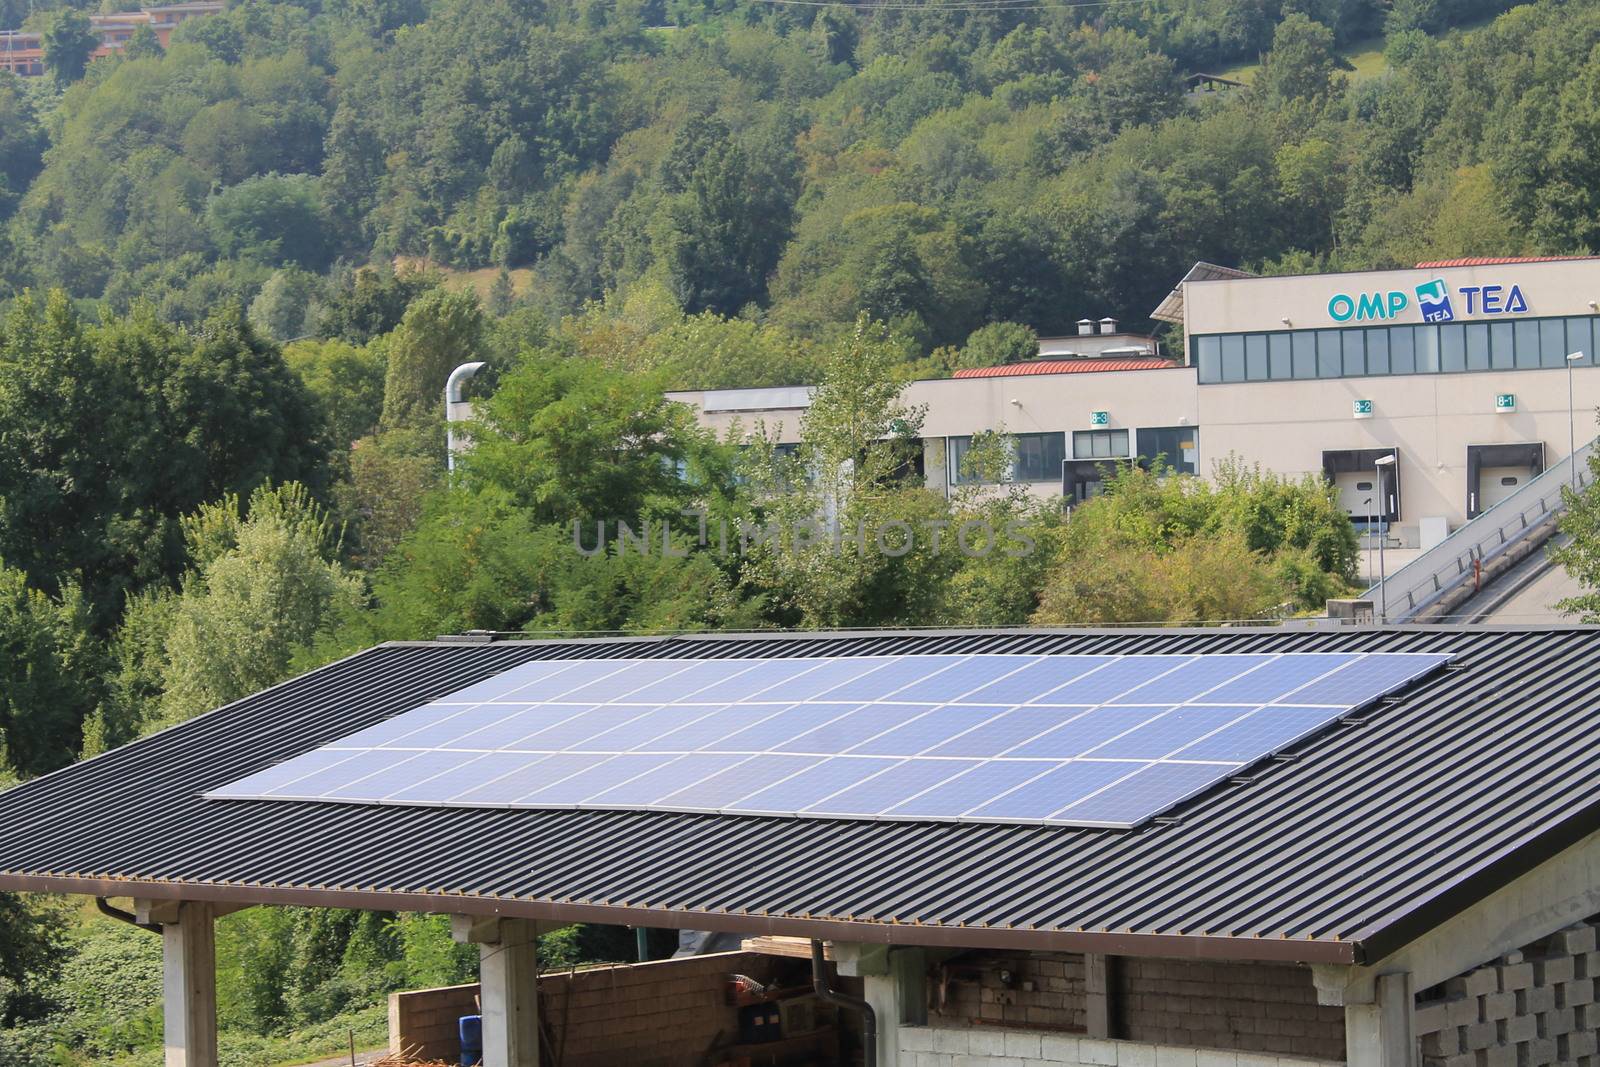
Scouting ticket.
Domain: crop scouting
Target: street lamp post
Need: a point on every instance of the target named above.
(1572, 433)
(1371, 522)
(1381, 464)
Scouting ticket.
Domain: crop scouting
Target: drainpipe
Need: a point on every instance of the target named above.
(452, 396)
(869, 1018)
(121, 916)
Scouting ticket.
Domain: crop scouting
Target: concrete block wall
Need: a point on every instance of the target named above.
(1246, 1007)
(425, 1021)
(985, 1046)
(665, 1013)
(1529, 1008)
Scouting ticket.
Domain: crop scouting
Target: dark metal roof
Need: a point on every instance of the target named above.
(1371, 834)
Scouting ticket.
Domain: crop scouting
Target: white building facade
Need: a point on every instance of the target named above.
(1459, 370)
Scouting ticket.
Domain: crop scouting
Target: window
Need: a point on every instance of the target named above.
(1378, 351)
(1038, 456)
(1502, 346)
(1353, 345)
(1177, 446)
(1427, 344)
(1330, 357)
(1553, 343)
(1255, 358)
(1099, 444)
(1305, 354)
(1279, 363)
(1403, 350)
(956, 449)
(1208, 358)
(1580, 338)
(1477, 345)
(1035, 457)
(1232, 358)
(1453, 347)
(1527, 342)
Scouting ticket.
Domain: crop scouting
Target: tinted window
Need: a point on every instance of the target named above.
(1099, 444)
(1402, 350)
(1177, 446)
(1038, 456)
(1477, 346)
(1255, 357)
(1553, 342)
(1427, 342)
(1208, 357)
(1453, 347)
(1232, 357)
(956, 449)
(1354, 352)
(1378, 351)
(1580, 338)
(1502, 346)
(1330, 358)
(1527, 334)
(1305, 355)
(1279, 364)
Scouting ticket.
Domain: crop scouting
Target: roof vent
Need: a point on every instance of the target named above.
(1108, 325)
(1085, 326)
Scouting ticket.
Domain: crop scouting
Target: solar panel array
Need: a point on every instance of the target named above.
(1106, 741)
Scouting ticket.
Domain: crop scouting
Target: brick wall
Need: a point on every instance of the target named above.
(1247, 1007)
(997, 1047)
(1532, 1007)
(660, 1014)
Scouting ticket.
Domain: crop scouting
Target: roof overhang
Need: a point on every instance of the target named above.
(1167, 946)
(1171, 309)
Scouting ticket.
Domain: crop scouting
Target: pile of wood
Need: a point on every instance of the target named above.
(400, 1059)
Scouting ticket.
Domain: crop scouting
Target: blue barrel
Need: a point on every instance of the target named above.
(471, 1040)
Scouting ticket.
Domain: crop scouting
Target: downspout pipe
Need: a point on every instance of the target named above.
(869, 1018)
(452, 396)
(105, 908)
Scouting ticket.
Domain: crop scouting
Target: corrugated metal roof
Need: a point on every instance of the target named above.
(1171, 309)
(1491, 261)
(1085, 365)
(1374, 832)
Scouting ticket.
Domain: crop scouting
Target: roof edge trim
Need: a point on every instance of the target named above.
(1170, 946)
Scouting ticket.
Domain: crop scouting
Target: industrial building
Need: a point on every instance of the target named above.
(22, 51)
(1460, 370)
(1225, 848)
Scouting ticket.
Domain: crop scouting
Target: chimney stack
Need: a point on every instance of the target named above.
(1108, 325)
(1085, 327)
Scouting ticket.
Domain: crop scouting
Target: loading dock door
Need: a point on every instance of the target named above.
(1356, 477)
(1494, 472)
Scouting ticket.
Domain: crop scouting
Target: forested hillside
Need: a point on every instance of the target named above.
(938, 168)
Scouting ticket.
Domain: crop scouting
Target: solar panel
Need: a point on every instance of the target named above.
(1105, 741)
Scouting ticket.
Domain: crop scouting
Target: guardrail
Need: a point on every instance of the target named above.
(1442, 569)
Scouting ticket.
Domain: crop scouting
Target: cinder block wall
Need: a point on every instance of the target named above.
(665, 1013)
(1532, 1007)
(425, 1021)
(998, 1047)
(1248, 1007)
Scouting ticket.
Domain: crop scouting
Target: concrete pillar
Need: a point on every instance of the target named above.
(508, 976)
(1098, 1017)
(1382, 1033)
(189, 983)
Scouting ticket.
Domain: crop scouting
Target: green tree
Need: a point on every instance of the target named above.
(49, 675)
(999, 343)
(573, 442)
(440, 331)
(69, 41)
(22, 142)
(502, 295)
(273, 219)
(263, 585)
(144, 44)
(369, 303)
(286, 309)
(1302, 64)
(346, 382)
(1580, 556)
